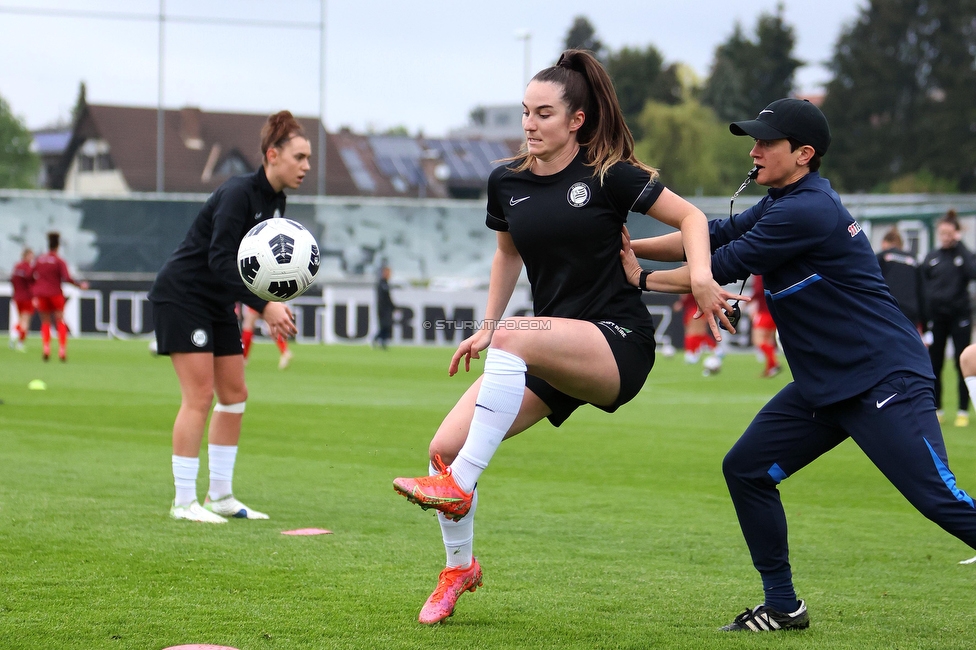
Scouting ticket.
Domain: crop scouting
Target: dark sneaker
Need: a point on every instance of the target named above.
(765, 619)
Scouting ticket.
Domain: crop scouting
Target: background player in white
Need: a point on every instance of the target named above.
(559, 209)
(193, 301)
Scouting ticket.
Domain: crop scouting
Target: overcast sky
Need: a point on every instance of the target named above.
(421, 64)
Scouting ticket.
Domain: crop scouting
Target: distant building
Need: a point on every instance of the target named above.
(502, 122)
(50, 145)
(111, 150)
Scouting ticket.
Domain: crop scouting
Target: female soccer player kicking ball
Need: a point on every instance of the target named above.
(558, 208)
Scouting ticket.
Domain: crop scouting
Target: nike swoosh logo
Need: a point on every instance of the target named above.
(883, 402)
(479, 406)
(764, 111)
(514, 201)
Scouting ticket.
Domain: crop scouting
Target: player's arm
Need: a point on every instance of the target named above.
(671, 209)
(66, 276)
(969, 261)
(665, 248)
(670, 281)
(506, 265)
(231, 208)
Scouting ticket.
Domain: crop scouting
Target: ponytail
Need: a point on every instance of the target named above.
(279, 129)
(587, 87)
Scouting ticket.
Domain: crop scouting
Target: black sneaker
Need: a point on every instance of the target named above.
(766, 619)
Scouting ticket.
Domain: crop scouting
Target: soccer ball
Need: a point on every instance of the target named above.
(278, 259)
(712, 365)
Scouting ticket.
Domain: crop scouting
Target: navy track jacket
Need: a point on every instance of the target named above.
(842, 332)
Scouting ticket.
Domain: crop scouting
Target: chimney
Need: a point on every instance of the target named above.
(190, 131)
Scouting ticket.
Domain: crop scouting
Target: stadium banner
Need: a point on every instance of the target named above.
(340, 315)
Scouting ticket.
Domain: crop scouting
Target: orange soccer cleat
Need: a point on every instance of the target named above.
(439, 491)
(451, 583)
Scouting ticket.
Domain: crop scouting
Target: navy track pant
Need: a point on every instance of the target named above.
(894, 424)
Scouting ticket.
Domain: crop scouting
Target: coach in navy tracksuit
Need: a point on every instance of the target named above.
(859, 366)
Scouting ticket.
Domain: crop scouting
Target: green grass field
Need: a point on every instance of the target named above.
(614, 531)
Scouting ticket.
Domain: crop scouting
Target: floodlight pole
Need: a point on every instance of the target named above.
(320, 177)
(160, 112)
(526, 37)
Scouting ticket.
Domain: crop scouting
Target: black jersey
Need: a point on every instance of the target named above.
(946, 273)
(567, 229)
(203, 269)
(903, 275)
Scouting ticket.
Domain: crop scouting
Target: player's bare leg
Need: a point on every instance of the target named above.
(195, 374)
(224, 435)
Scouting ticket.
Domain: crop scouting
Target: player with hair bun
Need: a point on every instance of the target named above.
(193, 301)
(559, 209)
(946, 273)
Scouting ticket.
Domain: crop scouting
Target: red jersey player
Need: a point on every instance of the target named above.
(763, 328)
(697, 335)
(49, 272)
(22, 279)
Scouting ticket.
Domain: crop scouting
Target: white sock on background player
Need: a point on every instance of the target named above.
(971, 386)
(221, 460)
(185, 471)
(499, 400)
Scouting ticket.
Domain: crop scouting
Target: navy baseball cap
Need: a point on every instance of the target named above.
(788, 118)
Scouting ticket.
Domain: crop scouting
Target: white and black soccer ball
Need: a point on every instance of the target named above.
(278, 259)
(712, 365)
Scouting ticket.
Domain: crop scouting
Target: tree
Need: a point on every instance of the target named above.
(747, 74)
(639, 76)
(19, 166)
(582, 36)
(693, 149)
(901, 103)
(80, 103)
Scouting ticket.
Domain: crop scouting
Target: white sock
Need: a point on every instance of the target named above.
(185, 478)
(458, 536)
(222, 459)
(499, 400)
(971, 386)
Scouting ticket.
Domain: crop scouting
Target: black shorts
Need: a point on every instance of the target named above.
(634, 353)
(195, 328)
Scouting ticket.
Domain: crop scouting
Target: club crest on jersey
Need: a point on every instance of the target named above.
(854, 228)
(578, 195)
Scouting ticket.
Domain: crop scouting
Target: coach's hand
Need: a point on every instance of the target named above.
(470, 349)
(280, 319)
